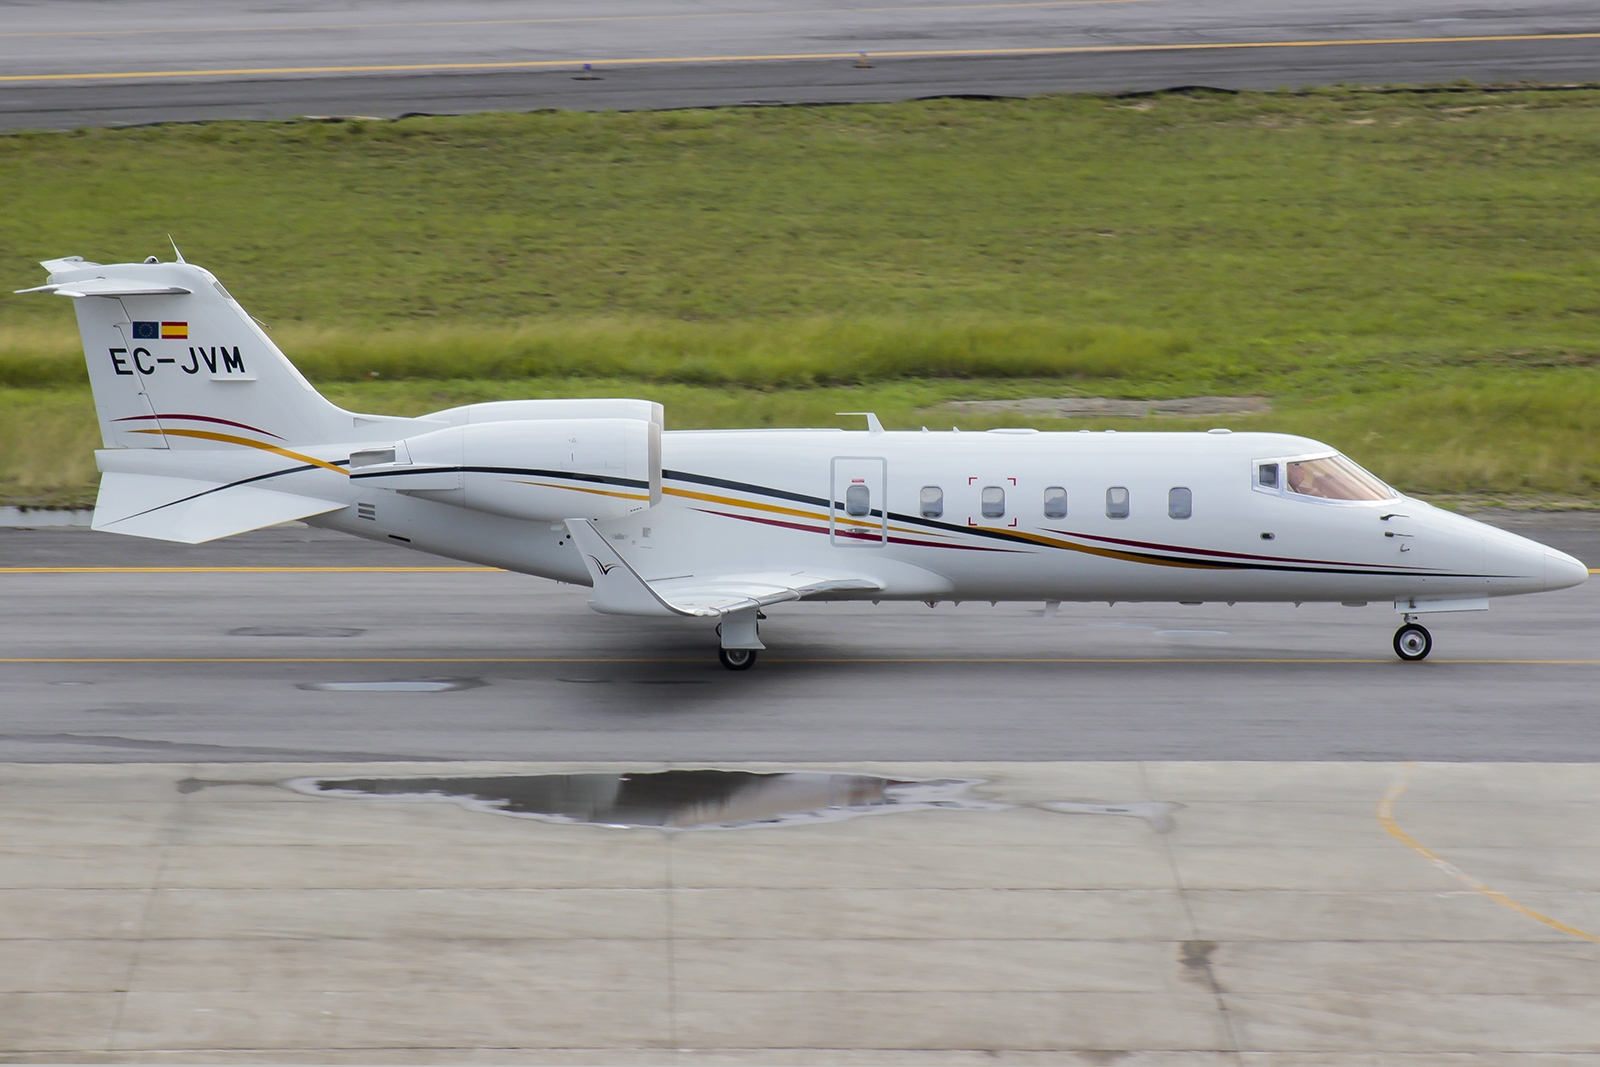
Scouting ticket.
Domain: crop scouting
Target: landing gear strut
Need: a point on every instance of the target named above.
(1412, 642)
(740, 639)
(737, 659)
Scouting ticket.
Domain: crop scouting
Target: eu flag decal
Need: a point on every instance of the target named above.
(178, 330)
(146, 331)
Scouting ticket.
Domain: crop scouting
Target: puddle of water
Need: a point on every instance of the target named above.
(670, 800)
(1157, 813)
(434, 685)
(297, 631)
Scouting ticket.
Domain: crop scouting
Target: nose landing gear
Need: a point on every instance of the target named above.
(1412, 642)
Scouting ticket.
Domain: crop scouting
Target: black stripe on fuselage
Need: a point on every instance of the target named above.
(575, 476)
(1154, 558)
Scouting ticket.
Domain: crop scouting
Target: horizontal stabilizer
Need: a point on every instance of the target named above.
(192, 511)
(109, 287)
(619, 590)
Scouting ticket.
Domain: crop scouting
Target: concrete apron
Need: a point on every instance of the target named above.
(1310, 913)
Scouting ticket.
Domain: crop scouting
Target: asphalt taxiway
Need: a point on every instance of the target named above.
(89, 62)
(302, 645)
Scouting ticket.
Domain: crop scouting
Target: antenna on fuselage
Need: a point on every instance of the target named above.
(873, 425)
(175, 249)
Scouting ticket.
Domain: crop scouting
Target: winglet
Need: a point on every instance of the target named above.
(618, 589)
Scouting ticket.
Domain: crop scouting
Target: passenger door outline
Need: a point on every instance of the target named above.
(858, 531)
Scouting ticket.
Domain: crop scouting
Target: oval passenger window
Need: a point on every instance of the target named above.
(857, 500)
(993, 500)
(1055, 502)
(1180, 503)
(1116, 502)
(932, 501)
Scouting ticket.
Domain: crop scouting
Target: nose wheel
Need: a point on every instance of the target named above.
(1412, 642)
(737, 659)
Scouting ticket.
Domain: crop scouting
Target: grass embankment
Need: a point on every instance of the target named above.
(1410, 276)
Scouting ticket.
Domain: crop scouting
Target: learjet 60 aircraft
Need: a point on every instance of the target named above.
(210, 431)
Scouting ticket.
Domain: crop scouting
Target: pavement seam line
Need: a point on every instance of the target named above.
(169, 838)
(1385, 813)
(1226, 1019)
(949, 53)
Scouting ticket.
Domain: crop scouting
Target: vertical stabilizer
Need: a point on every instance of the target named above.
(175, 362)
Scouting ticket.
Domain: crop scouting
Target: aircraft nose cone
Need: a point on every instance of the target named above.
(1561, 571)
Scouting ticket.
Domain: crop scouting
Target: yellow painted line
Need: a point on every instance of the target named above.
(251, 570)
(349, 659)
(546, 64)
(1386, 817)
(779, 659)
(572, 19)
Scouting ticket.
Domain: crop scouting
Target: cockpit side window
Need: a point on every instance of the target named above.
(1333, 478)
(1267, 475)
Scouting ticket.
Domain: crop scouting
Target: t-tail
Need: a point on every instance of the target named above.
(208, 429)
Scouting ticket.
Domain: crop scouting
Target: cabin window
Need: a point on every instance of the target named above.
(857, 500)
(1116, 502)
(993, 501)
(932, 501)
(1267, 476)
(1055, 502)
(1180, 503)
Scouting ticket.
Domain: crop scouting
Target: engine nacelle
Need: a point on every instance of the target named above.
(539, 469)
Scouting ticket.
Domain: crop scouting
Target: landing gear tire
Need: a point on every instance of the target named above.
(737, 659)
(1412, 642)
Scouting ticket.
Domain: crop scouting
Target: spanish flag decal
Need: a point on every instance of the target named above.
(174, 331)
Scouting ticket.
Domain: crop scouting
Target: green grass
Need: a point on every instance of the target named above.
(1413, 276)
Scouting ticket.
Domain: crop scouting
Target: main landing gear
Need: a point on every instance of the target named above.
(1412, 642)
(740, 639)
(737, 659)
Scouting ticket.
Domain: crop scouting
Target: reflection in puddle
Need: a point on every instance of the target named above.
(426, 685)
(297, 631)
(700, 799)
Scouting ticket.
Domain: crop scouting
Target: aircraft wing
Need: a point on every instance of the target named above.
(620, 590)
(191, 511)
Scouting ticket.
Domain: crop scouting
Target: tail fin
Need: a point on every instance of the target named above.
(175, 362)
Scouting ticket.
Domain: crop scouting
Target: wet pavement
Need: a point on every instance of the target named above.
(1158, 914)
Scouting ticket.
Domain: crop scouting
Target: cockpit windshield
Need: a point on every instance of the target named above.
(1333, 478)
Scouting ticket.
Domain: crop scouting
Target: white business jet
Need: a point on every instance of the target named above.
(210, 431)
